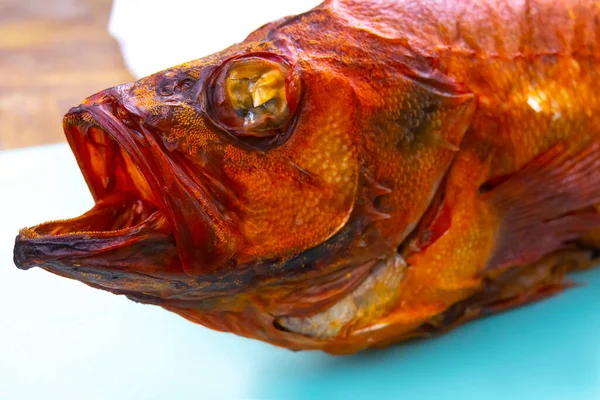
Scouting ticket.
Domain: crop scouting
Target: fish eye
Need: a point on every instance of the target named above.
(254, 96)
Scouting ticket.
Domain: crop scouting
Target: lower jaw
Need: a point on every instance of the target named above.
(138, 258)
(114, 224)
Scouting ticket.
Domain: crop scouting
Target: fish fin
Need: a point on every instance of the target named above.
(531, 296)
(546, 205)
(469, 310)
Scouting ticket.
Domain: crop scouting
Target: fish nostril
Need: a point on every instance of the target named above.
(172, 86)
(166, 89)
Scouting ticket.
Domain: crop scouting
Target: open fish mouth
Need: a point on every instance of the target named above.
(126, 235)
(106, 152)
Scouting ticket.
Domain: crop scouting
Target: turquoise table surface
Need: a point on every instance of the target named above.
(62, 340)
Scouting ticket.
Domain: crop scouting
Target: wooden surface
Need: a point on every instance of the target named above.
(53, 54)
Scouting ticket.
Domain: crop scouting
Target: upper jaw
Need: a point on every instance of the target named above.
(107, 142)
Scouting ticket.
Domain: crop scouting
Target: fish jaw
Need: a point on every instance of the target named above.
(130, 230)
(124, 261)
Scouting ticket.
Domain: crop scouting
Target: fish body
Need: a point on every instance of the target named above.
(354, 176)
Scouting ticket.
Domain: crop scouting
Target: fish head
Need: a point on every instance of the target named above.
(246, 157)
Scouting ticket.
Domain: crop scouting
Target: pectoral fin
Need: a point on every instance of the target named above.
(546, 205)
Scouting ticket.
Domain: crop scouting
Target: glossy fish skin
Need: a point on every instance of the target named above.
(364, 173)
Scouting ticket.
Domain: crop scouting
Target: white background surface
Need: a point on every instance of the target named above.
(60, 339)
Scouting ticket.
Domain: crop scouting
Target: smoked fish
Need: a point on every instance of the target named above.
(361, 174)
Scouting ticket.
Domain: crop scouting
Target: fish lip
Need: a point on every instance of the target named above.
(100, 112)
(112, 118)
(68, 241)
(204, 240)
